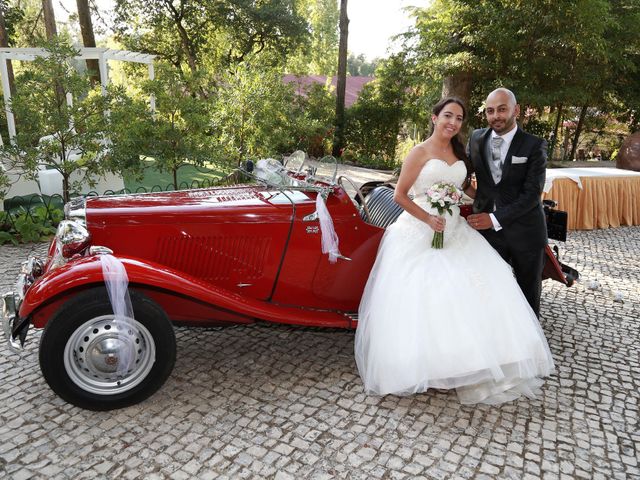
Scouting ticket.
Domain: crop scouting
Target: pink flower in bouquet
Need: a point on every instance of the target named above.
(442, 196)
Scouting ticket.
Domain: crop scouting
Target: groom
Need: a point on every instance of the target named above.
(510, 172)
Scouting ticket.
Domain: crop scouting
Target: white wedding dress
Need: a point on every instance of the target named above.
(446, 318)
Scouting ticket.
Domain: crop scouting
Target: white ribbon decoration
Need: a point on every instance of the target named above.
(330, 240)
(117, 281)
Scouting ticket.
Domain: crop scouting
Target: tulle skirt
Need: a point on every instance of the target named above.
(447, 318)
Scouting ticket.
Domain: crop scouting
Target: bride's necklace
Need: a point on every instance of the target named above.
(445, 149)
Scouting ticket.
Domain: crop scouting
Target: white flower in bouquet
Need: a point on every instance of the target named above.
(442, 196)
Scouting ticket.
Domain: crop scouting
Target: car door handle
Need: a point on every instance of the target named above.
(312, 217)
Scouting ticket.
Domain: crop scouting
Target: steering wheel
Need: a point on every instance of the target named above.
(359, 194)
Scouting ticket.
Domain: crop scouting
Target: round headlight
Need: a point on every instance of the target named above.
(73, 238)
(75, 209)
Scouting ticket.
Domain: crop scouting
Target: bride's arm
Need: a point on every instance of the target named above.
(470, 191)
(470, 185)
(411, 167)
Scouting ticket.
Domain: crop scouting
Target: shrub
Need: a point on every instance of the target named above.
(30, 225)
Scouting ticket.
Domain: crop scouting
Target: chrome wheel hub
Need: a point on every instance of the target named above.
(106, 356)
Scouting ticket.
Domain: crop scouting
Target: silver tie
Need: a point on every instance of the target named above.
(496, 171)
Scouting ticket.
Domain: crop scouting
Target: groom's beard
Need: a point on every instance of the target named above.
(501, 126)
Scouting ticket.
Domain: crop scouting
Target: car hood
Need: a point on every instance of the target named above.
(206, 199)
(249, 201)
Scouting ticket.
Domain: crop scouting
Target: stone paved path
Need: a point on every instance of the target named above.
(280, 402)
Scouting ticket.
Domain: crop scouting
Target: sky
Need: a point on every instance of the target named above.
(371, 22)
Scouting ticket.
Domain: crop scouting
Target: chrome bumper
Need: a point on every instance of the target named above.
(31, 269)
(10, 305)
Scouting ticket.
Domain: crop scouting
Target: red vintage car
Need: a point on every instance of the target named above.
(205, 257)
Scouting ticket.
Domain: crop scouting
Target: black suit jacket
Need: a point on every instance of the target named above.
(517, 197)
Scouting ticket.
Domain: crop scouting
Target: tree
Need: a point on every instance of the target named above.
(442, 47)
(623, 35)
(4, 42)
(49, 19)
(24, 22)
(253, 115)
(575, 56)
(178, 132)
(318, 55)
(88, 38)
(359, 66)
(210, 33)
(375, 120)
(338, 141)
(61, 121)
(311, 121)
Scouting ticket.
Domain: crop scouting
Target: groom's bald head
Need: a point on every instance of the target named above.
(502, 110)
(505, 93)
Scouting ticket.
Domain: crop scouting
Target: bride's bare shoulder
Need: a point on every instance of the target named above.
(420, 153)
(425, 151)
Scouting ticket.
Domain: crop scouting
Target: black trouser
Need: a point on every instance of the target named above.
(527, 266)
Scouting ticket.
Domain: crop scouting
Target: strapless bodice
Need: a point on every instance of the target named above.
(436, 170)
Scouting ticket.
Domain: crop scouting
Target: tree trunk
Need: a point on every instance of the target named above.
(554, 139)
(49, 19)
(52, 32)
(241, 139)
(186, 42)
(65, 188)
(4, 43)
(338, 138)
(88, 38)
(458, 85)
(574, 146)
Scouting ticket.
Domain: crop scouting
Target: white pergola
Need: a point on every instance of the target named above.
(103, 55)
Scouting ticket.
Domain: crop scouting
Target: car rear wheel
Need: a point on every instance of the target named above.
(98, 362)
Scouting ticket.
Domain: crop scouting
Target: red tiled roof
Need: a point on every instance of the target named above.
(352, 89)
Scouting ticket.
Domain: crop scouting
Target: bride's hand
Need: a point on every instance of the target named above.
(436, 223)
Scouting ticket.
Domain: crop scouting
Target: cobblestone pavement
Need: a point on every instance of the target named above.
(281, 402)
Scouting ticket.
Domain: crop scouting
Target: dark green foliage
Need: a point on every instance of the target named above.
(372, 130)
(13, 17)
(54, 132)
(317, 53)
(312, 116)
(375, 120)
(213, 34)
(30, 225)
(575, 52)
(179, 131)
(251, 116)
(359, 66)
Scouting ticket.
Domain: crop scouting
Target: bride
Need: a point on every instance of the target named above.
(445, 318)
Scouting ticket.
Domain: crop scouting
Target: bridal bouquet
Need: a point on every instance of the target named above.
(442, 196)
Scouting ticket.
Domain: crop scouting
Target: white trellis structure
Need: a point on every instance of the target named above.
(103, 55)
(47, 183)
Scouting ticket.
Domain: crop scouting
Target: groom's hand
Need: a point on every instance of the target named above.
(480, 221)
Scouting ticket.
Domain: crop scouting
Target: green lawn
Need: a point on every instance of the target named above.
(188, 175)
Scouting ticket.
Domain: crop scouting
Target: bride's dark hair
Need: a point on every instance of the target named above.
(458, 147)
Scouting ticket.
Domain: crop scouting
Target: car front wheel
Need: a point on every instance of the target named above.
(98, 362)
